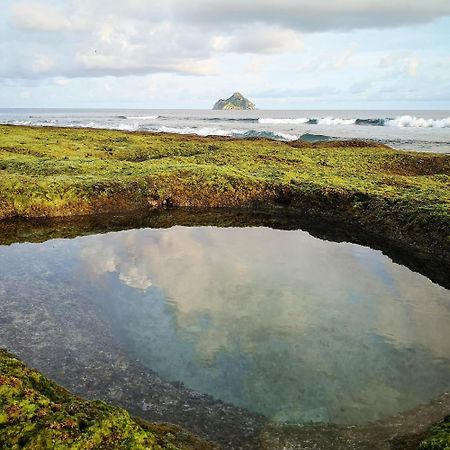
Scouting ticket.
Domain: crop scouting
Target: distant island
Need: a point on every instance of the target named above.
(236, 101)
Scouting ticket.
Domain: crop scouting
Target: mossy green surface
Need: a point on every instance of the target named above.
(61, 172)
(438, 438)
(35, 413)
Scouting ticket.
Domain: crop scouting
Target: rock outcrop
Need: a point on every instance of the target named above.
(236, 101)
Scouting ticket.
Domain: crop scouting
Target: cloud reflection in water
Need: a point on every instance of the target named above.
(276, 321)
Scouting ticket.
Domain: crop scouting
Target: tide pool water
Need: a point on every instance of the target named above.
(280, 323)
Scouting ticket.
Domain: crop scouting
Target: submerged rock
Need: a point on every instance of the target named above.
(236, 101)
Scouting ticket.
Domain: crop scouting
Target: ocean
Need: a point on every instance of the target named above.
(407, 130)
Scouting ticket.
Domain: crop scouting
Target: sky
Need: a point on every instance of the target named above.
(283, 54)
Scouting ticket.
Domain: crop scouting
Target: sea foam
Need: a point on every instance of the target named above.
(205, 131)
(265, 134)
(335, 121)
(283, 121)
(142, 117)
(401, 121)
(210, 131)
(418, 122)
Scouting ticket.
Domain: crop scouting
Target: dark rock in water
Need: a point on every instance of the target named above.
(236, 101)
(308, 137)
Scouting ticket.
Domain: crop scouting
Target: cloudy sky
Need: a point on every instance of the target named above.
(298, 54)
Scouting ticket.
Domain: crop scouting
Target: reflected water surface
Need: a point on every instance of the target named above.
(278, 322)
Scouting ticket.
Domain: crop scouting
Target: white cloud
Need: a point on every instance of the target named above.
(256, 64)
(94, 64)
(112, 37)
(258, 46)
(195, 67)
(42, 64)
(307, 15)
(62, 81)
(330, 59)
(259, 40)
(413, 66)
(38, 16)
(136, 277)
(401, 62)
(342, 60)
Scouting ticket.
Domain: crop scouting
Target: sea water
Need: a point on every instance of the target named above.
(281, 323)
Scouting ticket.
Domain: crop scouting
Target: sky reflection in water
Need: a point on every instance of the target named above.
(278, 322)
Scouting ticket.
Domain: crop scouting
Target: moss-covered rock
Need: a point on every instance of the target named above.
(438, 438)
(395, 195)
(35, 413)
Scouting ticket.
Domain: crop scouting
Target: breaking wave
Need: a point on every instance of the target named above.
(401, 121)
(139, 122)
(283, 121)
(209, 131)
(205, 131)
(418, 122)
(335, 121)
(202, 131)
(308, 121)
(139, 117)
(266, 135)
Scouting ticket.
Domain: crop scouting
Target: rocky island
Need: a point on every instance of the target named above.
(236, 101)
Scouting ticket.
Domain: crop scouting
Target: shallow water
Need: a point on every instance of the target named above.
(281, 323)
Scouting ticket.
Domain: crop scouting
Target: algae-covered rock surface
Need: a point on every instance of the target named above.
(402, 196)
(438, 437)
(35, 413)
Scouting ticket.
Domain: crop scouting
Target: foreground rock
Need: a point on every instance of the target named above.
(236, 101)
(37, 413)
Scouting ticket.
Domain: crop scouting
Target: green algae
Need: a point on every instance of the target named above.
(49, 172)
(35, 413)
(438, 438)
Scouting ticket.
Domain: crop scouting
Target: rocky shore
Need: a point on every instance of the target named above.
(57, 182)
(401, 197)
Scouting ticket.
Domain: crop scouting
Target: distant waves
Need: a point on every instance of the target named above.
(211, 131)
(199, 131)
(417, 122)
(139, 117)
(404, 131)
(401, 121)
